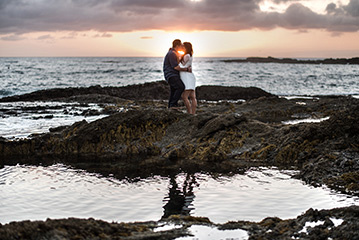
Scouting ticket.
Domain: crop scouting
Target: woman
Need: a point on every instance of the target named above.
(188, 79)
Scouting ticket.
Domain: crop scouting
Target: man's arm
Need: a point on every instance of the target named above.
(178, 68)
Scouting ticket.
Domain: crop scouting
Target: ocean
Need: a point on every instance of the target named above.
(24, 75)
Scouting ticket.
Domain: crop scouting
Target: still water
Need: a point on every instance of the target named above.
(60, 191)
(22, 119)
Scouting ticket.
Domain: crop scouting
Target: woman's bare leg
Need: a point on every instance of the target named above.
(192, 96)
(185, 95)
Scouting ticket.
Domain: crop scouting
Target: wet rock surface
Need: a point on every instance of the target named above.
(339, 223)
(223, 137)
(140, 138)
(153, 90)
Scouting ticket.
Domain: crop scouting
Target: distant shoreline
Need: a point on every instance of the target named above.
(317, 60)
(350, 61)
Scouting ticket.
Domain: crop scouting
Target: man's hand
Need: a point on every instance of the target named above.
(189, 69)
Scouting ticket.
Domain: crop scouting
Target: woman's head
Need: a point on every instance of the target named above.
(188, 48)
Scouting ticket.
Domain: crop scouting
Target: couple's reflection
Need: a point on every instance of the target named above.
(179, 199)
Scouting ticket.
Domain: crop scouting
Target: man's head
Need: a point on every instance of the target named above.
(176, 44)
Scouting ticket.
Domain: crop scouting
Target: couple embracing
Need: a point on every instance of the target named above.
(177, 69)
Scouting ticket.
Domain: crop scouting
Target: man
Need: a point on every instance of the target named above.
(171, 72)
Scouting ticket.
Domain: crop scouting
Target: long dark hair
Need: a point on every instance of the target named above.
(188, 49)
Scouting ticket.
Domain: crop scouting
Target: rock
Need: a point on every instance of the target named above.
(220, 122)
(147, 91)
(268, 228)
(295, 61)
(215, 93)
(223, 136)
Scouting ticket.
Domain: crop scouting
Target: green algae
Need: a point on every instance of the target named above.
(218, 148)
(289, 154)
(262, 153)
(349, 181)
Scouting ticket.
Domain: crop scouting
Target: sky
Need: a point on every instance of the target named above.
(146, 28)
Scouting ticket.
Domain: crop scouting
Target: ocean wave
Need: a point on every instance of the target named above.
(18, 72)
(29, 74)
(101, 72)
(5, 93)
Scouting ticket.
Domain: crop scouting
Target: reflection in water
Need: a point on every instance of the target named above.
(60, 191)
(179, 201)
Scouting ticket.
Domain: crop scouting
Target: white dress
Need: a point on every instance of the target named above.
(187, 78)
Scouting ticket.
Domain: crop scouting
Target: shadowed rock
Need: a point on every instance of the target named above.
(296, 61)
(147, 91)
(327, 226)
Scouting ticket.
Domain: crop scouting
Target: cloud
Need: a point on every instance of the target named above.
(146, 37)
(45, 37)
(22, 16)
(353, 8)
(299, 16)
(71, 35)
(12, 37)
(104, 35)
(283, 1)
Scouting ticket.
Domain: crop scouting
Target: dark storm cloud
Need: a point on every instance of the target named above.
(21, 16)
(353, 8)
(299, 16)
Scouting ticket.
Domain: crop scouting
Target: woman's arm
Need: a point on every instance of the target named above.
(186, 69)
(183, 63)
(186, 59)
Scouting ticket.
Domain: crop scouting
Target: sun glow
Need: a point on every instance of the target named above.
(180, 52)
(155, 43)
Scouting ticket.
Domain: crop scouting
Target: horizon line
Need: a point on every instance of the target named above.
(238, 57)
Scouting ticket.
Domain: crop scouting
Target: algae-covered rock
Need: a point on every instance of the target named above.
(337, 223)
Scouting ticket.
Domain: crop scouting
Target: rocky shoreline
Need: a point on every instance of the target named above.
(148, 91)
(295, 61)
(338, 223)
(226, 136)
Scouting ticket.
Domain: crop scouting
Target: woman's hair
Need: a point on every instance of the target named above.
(187, 49)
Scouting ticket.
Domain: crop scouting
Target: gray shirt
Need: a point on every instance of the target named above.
(169, 63)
